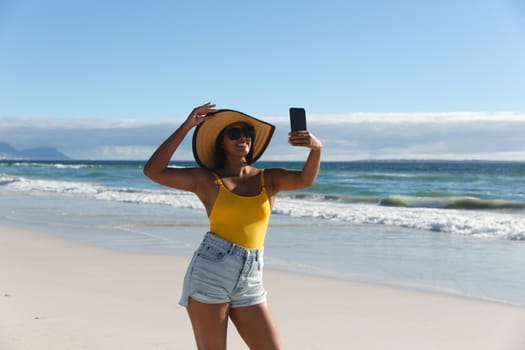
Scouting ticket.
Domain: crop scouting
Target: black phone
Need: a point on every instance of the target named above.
(297, 119)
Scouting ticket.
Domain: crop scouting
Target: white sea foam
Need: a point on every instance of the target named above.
(456, 222)
(53, 165)
(482, 224)
(174, 198)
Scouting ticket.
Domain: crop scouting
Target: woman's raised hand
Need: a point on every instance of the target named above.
(200, 114)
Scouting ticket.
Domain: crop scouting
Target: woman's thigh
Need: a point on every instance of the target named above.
(256, 326)
(210, 323)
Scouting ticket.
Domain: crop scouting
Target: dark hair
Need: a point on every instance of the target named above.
(220, 156)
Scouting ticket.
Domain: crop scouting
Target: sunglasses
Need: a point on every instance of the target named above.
(235, 133)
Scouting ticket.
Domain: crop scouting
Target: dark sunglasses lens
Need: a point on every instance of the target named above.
(248, 132)
(233, 133)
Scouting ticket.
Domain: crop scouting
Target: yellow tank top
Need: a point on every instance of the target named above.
(242, 220)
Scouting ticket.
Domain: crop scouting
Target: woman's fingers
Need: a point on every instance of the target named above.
(304, 139)
(204, 109)
(200, 113)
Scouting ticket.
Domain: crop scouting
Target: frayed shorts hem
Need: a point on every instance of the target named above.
(206, 300)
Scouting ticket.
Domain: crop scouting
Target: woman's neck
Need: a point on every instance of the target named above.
(239, 169)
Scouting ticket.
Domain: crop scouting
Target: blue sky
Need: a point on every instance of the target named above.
(106, 64)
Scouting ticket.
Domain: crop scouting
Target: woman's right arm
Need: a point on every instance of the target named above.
(157, 166)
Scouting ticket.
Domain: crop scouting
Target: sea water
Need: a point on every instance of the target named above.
(454, 227)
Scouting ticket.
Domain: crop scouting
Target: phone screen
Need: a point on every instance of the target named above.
(297, 119)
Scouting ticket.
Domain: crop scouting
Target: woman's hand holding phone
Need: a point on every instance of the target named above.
(299, 135)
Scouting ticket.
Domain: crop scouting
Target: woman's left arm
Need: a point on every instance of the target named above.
(288, 180)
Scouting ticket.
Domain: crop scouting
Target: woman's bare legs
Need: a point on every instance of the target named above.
(254, 323)
(256, 326)
(210, 324)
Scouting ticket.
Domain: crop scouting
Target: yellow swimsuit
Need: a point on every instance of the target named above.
(242, 220)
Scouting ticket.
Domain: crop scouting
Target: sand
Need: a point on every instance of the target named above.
(59, 294)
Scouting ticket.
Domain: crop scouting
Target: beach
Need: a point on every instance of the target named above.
(61, 294)
(375, 255)
(399, 225)
(446, 227)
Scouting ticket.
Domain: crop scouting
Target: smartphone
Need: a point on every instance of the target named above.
(297, 119)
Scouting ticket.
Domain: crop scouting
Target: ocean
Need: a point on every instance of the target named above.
(451, 227)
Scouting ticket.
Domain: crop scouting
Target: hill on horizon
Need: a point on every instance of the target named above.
(8, 152)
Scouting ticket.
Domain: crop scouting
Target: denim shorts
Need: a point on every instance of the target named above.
(223, 272)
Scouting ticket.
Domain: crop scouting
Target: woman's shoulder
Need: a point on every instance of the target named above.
(199, 171)
(201, 174)
(272, 175)
(274, 171)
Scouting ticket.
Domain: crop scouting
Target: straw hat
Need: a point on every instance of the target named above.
(206, 133)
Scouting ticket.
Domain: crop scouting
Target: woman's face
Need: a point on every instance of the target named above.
(237, 139)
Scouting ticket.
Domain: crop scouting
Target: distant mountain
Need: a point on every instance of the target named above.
(6, 148)
(39, 153)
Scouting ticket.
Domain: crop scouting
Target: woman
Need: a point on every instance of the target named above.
(224, 279)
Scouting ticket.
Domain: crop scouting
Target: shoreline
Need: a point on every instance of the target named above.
(57, 293)
(112, 237)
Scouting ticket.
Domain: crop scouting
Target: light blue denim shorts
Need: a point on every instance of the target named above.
(223, 272)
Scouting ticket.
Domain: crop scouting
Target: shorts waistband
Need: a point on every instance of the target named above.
(232, 248)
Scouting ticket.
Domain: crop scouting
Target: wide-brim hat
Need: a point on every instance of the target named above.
(206, 133)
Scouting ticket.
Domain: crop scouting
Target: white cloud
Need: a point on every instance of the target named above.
(454, 135)
(125, 152)
(417, 118)
(101, 124)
